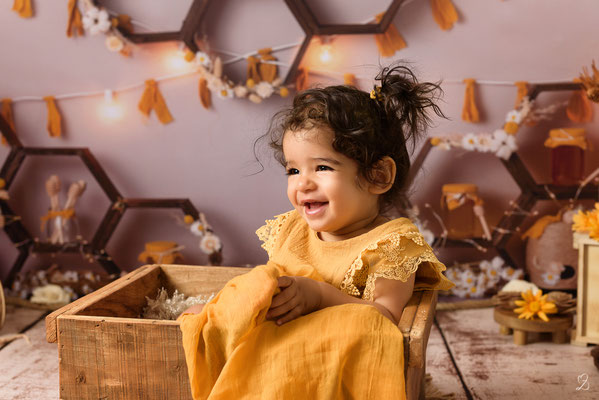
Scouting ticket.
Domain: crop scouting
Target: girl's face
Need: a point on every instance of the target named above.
(324, 187)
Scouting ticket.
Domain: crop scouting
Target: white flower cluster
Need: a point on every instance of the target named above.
(486, 278)
(501, 142)
(209, 242)
(211, 70)
(96, 21)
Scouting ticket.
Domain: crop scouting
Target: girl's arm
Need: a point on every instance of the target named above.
(300, 296)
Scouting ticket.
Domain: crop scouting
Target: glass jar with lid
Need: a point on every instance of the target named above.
(568, 146)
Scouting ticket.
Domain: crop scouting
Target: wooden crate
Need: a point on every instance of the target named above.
(587, 300)
(106, 352)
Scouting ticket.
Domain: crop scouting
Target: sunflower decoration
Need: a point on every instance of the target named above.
(587, 222)
(534, 305)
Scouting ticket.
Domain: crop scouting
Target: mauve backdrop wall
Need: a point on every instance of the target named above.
(207, 156)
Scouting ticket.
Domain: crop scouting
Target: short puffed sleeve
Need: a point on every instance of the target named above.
(269, 232)
(395, 256)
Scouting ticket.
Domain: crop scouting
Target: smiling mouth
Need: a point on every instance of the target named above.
(314, 207)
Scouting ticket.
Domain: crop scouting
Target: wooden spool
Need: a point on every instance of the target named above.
(2, 306)
(508, 321)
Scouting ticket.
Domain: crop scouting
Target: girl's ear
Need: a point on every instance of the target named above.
(383, 173)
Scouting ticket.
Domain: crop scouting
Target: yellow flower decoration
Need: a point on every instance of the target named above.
(587, 222)
(534, 304)
(435, 141)
(188, 219)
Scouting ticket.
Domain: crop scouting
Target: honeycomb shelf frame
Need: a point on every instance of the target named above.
(300, 10)
(26, 244)
(530, 191)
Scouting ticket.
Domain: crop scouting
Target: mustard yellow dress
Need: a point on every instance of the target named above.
(346, 351)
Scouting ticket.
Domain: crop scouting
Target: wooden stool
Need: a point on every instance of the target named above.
(558, 325)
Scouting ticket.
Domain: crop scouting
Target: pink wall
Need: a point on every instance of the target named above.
(206, 155)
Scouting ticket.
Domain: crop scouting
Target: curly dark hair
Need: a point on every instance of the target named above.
(365, 129)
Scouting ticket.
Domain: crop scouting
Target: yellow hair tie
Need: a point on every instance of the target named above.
(375, 94)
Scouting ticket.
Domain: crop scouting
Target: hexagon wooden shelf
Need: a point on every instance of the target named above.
(531, 191)
(26, 243)
(300, 10)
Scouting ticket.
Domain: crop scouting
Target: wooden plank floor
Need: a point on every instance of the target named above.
(466, 356)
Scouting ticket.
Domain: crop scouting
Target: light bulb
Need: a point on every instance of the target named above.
(176, 61)
(326, 53)
(110, 110)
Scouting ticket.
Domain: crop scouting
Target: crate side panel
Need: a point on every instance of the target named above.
(590, 293)
(129, 300)
(195, 280)
(120, 360)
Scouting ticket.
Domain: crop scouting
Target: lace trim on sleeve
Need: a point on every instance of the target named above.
(358, 282)
(268, 233)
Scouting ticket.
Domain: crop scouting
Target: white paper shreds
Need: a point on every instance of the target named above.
(165, 307)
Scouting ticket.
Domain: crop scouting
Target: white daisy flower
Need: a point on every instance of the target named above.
(485, 265)
(469, 141)
(114, 43)
(493, 274)
(240, 91)
(264, 89)
(502, 144)
(203, 59)
(197, 228)
(483, 143)
(210, 244)
(89, 276)
(96, 21)
(514, 116)
(70, 276)
(467, 278)
(550, 278)
(510, 273)
(225, 92)
(474, 292)
(497, 262)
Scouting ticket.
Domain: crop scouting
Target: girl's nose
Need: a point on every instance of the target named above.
(305, 183)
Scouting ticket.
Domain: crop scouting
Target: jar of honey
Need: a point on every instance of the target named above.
(457, 208)
(567, 146)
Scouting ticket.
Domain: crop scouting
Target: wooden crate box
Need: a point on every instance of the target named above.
(587, 301)
(107, 352)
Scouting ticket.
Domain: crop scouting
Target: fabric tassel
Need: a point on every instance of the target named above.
(579, 108)
(8, 117)
(301, 82)
(152, 100)
(522, 92)
(205, 95)
(444, 13)
(124, 23)
(268, 72)
(252, 70)
(389, 42)
(349, 79)
(54, 119)
(469, 111)
(74, 24)
(23, 8)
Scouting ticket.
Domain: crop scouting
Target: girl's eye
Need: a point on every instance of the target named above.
(324, 168)
(292, 171)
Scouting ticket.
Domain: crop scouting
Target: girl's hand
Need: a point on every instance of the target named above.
(298, 296)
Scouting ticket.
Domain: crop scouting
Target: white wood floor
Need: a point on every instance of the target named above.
(466, 356)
